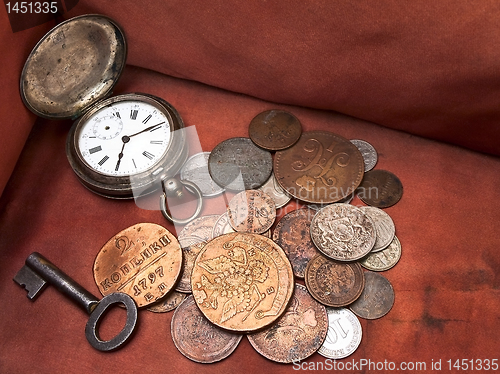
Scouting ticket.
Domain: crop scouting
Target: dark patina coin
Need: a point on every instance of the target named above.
(275, 130)
(321, 168)
(237, 164)
(377, 298)
(198, 339)
(380, 188)
(293, 235)
(334, 283)
(299, 332)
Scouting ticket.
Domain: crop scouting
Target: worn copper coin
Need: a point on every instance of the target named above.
(275, 130)
(195, 170)
(251, 211)
(384, 226)
(242, 281)
(198, 339)
(299, 332)
(321, 168)
(369, 153)
(385, 259)
(168, 303)
(237, 164)
(222, 226)
(292, 234)
(380, 188)
(273, 189)
(143, 261)
(334, 283)
(377, 298)
(343, 232)
(344, 334)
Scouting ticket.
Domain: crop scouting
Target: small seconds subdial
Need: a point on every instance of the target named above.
(124, 138)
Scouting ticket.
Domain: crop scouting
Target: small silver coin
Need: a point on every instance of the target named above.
(277, 193)
(222, 226)
(384, 226)
(196, 170)
(385, 259)
(368, 152)
(344, 334)
(237, 164)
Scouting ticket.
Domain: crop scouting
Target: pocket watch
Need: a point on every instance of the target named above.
(118, 144)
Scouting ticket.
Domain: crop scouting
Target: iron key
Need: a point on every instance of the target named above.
(38, 271)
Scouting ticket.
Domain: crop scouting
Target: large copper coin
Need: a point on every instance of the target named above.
(384, 226)
(377, 298)
(143, 261)
(192, 239)
(198, 339)
(344, 334)
(242, 282)
(168, 303)
(334, 283)
(320, 168)
(299, 332)
(292, 234)
(380, 188)
(385, 259)
(343, 232)
(237, 164)
(251, 211)
(275, 130)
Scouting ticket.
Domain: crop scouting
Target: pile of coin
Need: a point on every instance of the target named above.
(238, 274)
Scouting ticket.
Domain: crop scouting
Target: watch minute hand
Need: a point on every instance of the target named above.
(146, 129)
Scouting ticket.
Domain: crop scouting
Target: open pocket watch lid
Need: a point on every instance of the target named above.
(73, 66)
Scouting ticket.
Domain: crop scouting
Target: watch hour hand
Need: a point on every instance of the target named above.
(125, 140)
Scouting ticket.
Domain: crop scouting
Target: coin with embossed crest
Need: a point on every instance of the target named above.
(273, 189)
(251, 211)
(195, 170)
(343, 232)
(321, 168)
(143, 261)
(168, 303)
(368, 152)
(237, 164)
(385, 259)
(297, 334)
(198, 339)
(380, 188)
(334, 283)
(275, 129)
(344, 334)
(242, 282)
(292, 234)
(384, 226)
(377, 298)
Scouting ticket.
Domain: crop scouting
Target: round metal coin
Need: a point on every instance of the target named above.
(292, 234)
(385, 259)
(198, 339)
(321, 168)
(168, 303)
(222, 226)
(275, 130)
(343, 232)
(237, 164)
(143, 261)
(384, 226)
(196, 170)
(299, 332)
(380, 188)
(344, 334)
(368, 152)
(242, 282)
(377, 298)
(251, 211)
(334, 283)
(273, 189)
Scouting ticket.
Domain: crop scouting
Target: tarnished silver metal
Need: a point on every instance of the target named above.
(173, 188)
(370, 156)
(196, 170)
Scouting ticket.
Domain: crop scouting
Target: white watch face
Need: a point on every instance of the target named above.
(124, 138)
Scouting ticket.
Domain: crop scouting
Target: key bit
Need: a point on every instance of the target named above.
(38, 271)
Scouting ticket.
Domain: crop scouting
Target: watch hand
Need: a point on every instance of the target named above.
(125, 140)
(147, 129)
